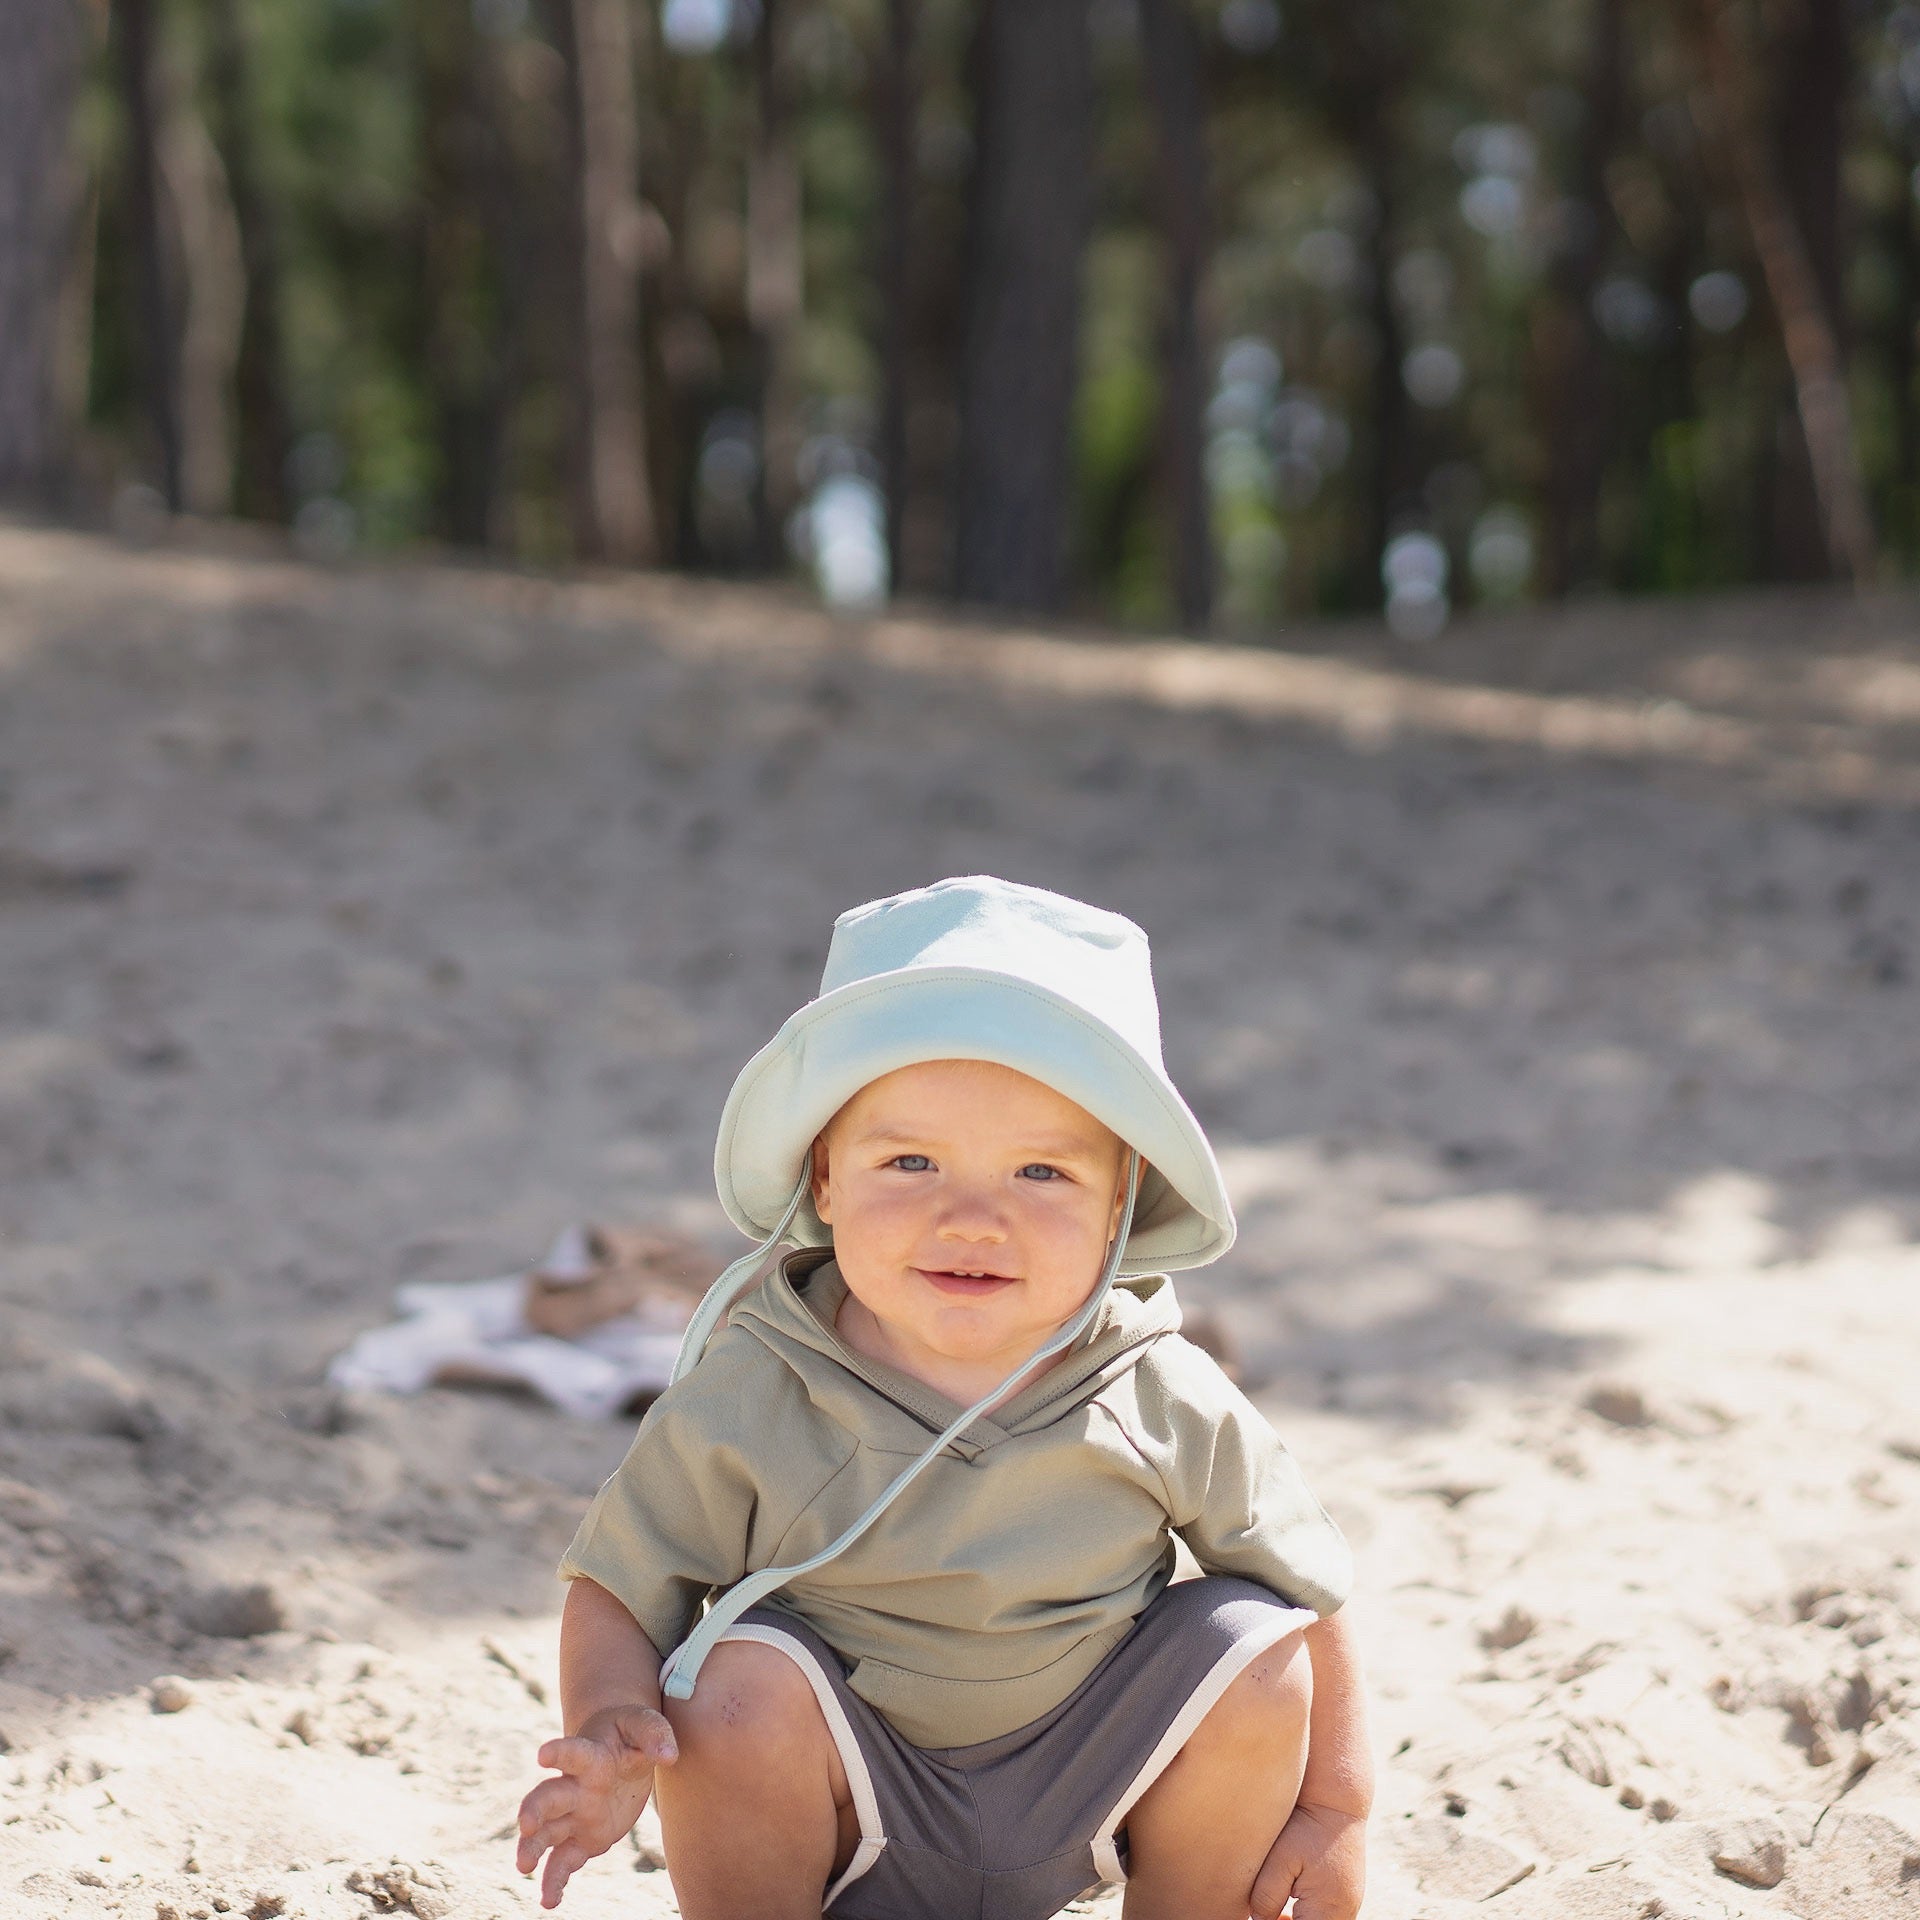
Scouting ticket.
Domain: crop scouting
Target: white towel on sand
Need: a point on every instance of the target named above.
(476, 1331)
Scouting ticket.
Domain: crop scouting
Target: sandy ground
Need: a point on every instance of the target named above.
(1554, 998)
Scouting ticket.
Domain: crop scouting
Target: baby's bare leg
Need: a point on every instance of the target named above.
(756, 1813)
(1197, 1837)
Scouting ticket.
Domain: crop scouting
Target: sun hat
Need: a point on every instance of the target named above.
(979, 969)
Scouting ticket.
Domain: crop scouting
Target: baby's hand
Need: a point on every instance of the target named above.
(1320, 1860)
(606, 1774)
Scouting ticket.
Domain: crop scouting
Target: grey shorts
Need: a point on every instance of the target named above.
(1014, 1828)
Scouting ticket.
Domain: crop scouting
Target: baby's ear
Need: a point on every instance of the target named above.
(822, 1205)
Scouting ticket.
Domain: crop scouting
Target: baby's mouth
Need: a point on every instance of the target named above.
(967, 1283)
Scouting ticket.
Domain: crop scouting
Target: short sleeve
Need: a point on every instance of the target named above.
(687, 1511)
(1235, 1495)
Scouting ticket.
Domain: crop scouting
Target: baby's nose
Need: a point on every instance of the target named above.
(973, 1220)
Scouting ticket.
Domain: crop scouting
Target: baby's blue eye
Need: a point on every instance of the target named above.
(910, 1162)
(1039, 1170)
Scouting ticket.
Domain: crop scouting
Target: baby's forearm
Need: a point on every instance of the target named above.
(606, 1659)
(1339, 1753)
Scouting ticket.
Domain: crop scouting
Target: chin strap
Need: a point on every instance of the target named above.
(733, 1282)
(683, 1667)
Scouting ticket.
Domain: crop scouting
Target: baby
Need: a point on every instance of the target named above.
(903, 1525)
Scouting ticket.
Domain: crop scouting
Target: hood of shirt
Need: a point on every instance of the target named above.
(793, 1315)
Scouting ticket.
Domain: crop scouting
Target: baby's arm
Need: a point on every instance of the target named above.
(616, 1736)
(1320, 1858)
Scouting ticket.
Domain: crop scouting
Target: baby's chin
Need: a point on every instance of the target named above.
(958, 1333)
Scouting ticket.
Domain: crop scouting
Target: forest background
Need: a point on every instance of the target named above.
(1195, 312)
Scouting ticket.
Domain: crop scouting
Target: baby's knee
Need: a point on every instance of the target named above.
(1272, 1698)
(747, 1695)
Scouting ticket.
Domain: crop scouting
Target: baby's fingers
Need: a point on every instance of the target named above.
(575, 1755)
(1274, 1884)
(526, 1855)
(549, 1801)
(650, 1734)
(544, 1814)
(562, 1864)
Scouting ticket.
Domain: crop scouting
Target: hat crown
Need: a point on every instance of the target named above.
(1094, 959)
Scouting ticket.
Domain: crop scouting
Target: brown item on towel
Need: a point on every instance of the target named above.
(634, 1270)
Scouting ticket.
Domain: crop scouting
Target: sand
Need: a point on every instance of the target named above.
(1553, 995)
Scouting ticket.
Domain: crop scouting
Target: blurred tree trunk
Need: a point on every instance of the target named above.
(1029, 220)
(898, 97)
(684, 356)
(479, 265)
(1171, 43)
(1364, 47)
(154, 330)
(1793, 279)
(38, 203)
(73, 348)
(1573, 376)
(1812, 71)
(265, 434)
(447, 248)
(205, 250)
(614, 506)
(1393, 487)
(1813, 75)
(517, 88)
(1903, 248)
(933, 314)
(775, 289)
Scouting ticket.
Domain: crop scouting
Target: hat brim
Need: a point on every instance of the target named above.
(847, 1039)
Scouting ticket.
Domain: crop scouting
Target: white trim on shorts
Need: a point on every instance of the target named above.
(866, 1803)
(1199, 1703)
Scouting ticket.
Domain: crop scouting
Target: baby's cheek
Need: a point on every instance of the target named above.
(876, 1239)
(877, 1217)
(1081, 1219)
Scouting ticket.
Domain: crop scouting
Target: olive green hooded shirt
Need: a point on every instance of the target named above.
(1003, 1575)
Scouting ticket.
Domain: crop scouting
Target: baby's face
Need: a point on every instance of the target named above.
(971, 1210)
